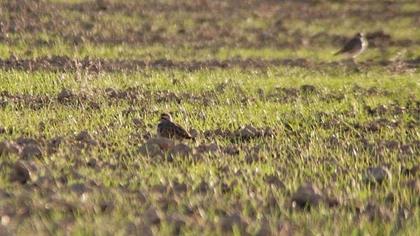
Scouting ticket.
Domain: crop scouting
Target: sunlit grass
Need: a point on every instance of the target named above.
(325, 137)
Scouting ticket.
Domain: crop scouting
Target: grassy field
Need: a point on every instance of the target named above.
(290, 140)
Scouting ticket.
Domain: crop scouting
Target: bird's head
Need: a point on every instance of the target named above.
(360, 35)
(165, 117)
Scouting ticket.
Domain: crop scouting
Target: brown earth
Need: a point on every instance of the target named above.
(64, 63)
(196, 24)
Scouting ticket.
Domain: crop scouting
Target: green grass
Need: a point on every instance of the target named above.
(325, 137)
(294, 158)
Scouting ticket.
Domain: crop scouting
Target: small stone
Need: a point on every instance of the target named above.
(377, 174)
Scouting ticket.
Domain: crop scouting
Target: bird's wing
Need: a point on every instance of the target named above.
(353, 44)
(162, 130)
(179, 131)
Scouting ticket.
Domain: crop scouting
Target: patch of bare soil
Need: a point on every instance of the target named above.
(72, 192)
(213, 24)
(63, 63)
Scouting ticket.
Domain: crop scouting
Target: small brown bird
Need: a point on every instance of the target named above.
(168, 129)
(354, 47)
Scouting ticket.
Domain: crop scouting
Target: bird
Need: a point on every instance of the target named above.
(354, 47)
(168, 129)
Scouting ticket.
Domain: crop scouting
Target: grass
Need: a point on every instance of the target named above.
(327, 124)
(293, 158)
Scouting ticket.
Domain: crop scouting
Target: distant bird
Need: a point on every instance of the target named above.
(354, 47)
(168, 129)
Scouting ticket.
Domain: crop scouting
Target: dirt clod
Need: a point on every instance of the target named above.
(203, 187)
(9, 147)
(65, 96)
(377, 212)
(194, 133)
(208, 148)
(307, 195)
(151, 216)
(151, 149)
(181, 150)
(54, 144)
(307, 88)
(24, 171)
(229, 221)
(248, 132)
(414, 185)
(378, 174)
(86, 137)
(274, 181)
(164, 143)
(31, 151)
(80, 188)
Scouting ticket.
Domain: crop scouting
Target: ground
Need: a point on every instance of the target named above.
(289, 139)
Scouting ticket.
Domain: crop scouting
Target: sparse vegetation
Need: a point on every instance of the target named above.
(288, 139)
